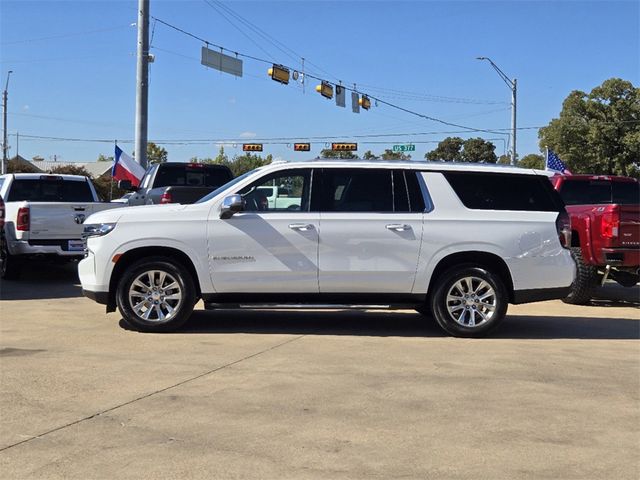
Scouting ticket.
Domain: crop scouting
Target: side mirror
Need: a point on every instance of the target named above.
(126, 185)
(230, 205)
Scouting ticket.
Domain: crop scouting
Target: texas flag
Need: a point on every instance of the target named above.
(126, 168)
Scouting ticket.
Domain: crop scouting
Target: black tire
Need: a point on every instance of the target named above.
(10, 265)
(161, 272)
(585, 282)
(471, 306)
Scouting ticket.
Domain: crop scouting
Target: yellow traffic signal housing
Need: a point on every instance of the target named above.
(325, 89)
(279, 73)
(344, 147)
(301, 147)
(251, 147)
(365, 102)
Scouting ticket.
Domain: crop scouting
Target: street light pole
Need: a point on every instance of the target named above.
(142, 83)
(513, 85)
(5, 145)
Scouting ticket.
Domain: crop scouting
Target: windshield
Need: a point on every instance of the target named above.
(221, 189)
(596, 192)
(202, 176)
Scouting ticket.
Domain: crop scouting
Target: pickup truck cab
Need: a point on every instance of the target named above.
(605, 228)
(457, 241)
(177, 182)
(43, 218)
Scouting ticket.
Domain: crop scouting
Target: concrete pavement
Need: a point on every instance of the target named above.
(554, 393)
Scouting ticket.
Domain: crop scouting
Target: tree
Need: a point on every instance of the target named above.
(478, 150)
(71, 170)
(533, 160)
(391, 155)
(328, 153)
(455, 149)
(368, 155)
(155, 153)
(449, 150)
(104, 158)
(598, 132)
(504, 160)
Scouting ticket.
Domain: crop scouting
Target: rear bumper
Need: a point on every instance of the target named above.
(620, 257)
(31, 248)
(540, 294)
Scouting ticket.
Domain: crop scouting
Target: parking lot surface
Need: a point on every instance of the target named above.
(553, 393)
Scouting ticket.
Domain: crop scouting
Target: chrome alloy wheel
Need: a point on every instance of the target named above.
(471, 301)
(155, 296)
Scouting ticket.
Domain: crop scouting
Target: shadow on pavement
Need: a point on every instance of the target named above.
(614, 295)
(40, 280)
(399, 324)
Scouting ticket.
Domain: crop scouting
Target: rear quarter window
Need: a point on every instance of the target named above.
(498, 191)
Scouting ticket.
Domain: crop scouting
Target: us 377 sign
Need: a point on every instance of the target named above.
(409, 147)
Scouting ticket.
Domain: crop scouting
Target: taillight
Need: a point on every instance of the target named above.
(22, 223)
(166, 198)
(563, 227)
(610, 225)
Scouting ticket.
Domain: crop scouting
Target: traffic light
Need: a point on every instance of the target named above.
(365, 102)
(279, 73)
(301, 147)
(325, 89)
(344, 147)
(251, 147)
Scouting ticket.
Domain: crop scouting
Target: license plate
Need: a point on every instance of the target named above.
(76, 245)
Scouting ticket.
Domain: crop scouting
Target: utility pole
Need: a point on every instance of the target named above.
(513, 86)
(142, 83)
(5, 145)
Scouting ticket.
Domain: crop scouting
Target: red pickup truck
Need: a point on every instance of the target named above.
(605, 230)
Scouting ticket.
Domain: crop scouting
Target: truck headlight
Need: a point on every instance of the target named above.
(97, 229)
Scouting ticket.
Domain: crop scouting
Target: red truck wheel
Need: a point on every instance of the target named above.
(585, 282)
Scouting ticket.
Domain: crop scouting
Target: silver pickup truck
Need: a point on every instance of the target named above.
(43, 218)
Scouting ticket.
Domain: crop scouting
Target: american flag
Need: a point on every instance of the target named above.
(554, 163)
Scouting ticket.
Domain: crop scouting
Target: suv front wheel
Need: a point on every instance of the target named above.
(156, 295)
(469, 301)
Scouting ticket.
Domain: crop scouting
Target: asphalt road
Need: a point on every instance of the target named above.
(554, 393)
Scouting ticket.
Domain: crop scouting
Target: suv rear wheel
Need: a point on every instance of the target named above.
(469, 301)
(156, 294)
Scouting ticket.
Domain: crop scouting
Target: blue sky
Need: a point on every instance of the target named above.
(74, 70)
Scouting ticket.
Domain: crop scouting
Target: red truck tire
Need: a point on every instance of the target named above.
(585, 282)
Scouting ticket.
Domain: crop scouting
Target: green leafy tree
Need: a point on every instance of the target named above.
(155, 154)
(70, 170)
(504, 160)
(328, 153)
(391, 155)
(368, 155)
(104, 158)
(449, 150)
(478, 150)
(598, 132)
(532, 160)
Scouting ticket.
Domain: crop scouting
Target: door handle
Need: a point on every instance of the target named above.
(398, 227)
(302, 227)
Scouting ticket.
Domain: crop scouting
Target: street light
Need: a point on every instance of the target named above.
(513, 85)
(5, 146)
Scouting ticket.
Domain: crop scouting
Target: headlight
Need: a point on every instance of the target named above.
(97, 229)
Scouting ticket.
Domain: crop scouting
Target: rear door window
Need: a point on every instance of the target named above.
(497, 191)
(356, 190)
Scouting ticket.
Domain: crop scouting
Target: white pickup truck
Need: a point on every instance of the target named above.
(43, 218)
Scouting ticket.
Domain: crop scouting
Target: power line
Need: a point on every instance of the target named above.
(65, 35)
(308, 75)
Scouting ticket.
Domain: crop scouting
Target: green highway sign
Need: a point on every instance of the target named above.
(410, 147)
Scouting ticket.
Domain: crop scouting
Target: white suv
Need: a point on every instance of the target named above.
(455, 241)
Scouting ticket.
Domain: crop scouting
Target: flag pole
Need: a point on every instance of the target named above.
(115, 142)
